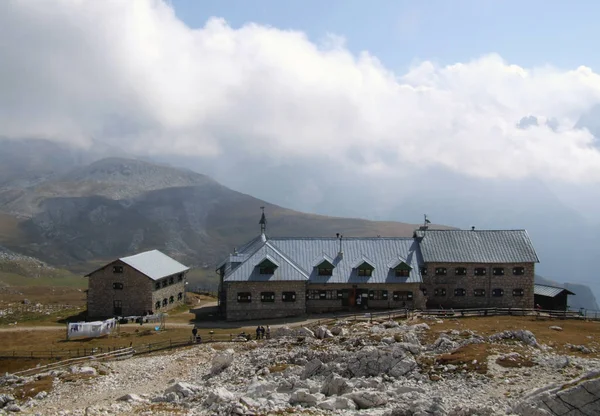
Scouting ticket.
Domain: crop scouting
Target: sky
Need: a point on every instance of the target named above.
(529, 33)
(381, 110)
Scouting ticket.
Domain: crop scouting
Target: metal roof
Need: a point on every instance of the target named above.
(378, 251)
(154, 264)
(550, 291)
(248, 270)
(476, 246)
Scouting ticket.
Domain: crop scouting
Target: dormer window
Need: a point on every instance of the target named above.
(364, 268)
(364, 272)
(267, 266)
(324, 265)
(400, 268)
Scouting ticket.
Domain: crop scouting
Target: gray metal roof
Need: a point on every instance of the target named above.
(377, 251)
(287, 270)
(154, 264)
(476, 246)
(550, 291)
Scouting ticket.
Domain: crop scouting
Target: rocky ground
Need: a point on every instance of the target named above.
(380, 368)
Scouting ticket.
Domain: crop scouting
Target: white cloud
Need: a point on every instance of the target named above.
(130, 73)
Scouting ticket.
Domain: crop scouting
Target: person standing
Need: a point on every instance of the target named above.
(195, 333)
(268, 332)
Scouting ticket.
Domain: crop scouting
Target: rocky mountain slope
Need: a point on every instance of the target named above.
(114, 207)
(384, 368)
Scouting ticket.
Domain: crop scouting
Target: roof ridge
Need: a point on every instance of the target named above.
(285, 257)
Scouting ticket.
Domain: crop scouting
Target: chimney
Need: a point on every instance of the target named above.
(341, 252)
(473, 228)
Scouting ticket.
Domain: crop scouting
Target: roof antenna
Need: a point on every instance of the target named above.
(263, 221)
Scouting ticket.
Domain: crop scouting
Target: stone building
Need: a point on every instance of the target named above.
(144, 283)
(477, 268)
(281, 277)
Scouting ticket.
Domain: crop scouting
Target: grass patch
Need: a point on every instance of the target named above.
(514, 361)
(278, 368)
(32, 388)
(472, 357)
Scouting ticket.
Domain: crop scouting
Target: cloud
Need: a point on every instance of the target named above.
(129, 73)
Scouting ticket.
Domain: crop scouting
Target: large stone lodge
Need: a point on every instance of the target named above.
(283, 277)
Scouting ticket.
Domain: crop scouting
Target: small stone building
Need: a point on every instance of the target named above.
(282, 277)
(551, 298)
(144, 283)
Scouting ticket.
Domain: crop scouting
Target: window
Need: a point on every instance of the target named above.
(180, 296)
(157, 285)
(328, 294)
(312, 294)
(267, 270)
(171, 280)
(288, 296)
(401, 295)
(518, 271)
(244, 297)
(460, 271)
(171, 299)
(267, 296)
(165, 302)
(518, 292)
(479, 292)
(324, 271)
(423, 271)
(424, 291)
(117, 307)
(480, 271)
(164, 283)
(157, 305)
(402, 272)
(497, 292)
(378, 294)
(118, 286)
(180, 277)
(365, 272)
(117, 269)
(498, 271)
(460, 292)
(439, 292)
(440, 271)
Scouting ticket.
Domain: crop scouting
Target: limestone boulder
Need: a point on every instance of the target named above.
(221, 361)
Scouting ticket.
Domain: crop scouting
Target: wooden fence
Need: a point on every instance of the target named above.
(32, 308)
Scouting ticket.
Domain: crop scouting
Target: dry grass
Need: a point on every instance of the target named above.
(515, 362)
(574, 331)
(472, 357)
(278, 368)
(32, 388)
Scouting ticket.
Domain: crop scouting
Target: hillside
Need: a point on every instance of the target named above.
(114, 207)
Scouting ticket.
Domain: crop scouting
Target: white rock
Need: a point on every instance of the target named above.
(311, 368)
(420, 327)
(221, 361)
(305, 332)
(305, 397)
(323, 332)
(183, 389)
(367, 399)
(219, 395)
(132, 398)
(335, 385)
(556, 328)
(337, 403)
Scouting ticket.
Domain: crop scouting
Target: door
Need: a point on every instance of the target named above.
(352, 297)
(364, 297)
(118, 308)
(345, 297)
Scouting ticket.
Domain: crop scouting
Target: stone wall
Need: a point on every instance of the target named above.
(174, 289)
(257, 309)
(138, 295)
(507, 282)
(330, 305)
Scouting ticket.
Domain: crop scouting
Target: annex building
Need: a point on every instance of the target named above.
(282, 277)
(145, 283)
